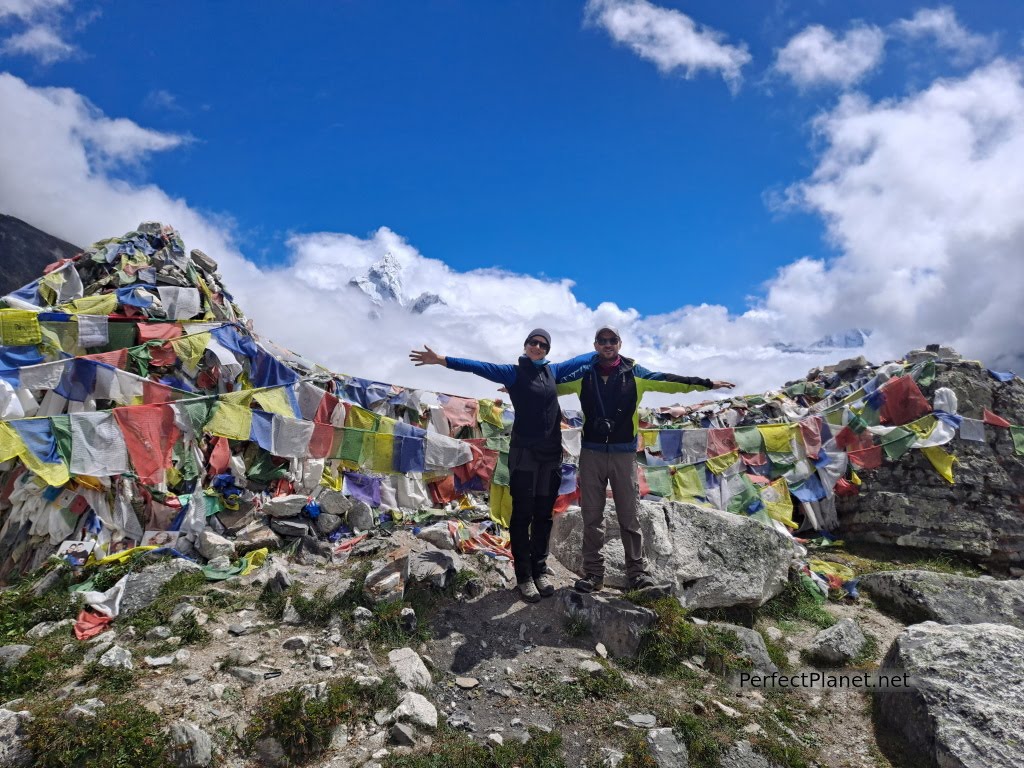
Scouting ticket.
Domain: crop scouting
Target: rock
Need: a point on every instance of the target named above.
(837, 645)
(216, 691)
(10, 655)
(665, 749)
(726, 710)
(742, 755)
(312, 551)
(438, 535)
(475, 587)
(966, 703)
(243, 628)
(95, 651)
(246, 674)
(270, 753)
(290, 505)
(87, 708)
(711, 559)
(316, 691)
(13, 752)
(416, 709)
(361, 614)
(296, 643)
(323, 663)
(158, 661)
(190, 746)
(601, 651)
(590, 667)
(334, 503)
(220, 563)
(409, 668)
(327, 523)
(241, 657)
(643, 720)
(434, 567)
(387, 579)
(401, 735)
(142, 587)
(339, 737)
(273, 577)
(290, 529)
(291, 614)
(467, 683)
(916, 596)
(753, 647)
(256, 535)
(611, 758)
(616, 623)
(47, 628)
(117, 658)
(360, 516)
(211, 546)
(367, 682)
(158, 633)
(407, 620)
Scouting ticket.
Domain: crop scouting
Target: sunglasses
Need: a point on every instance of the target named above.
(605, 341)
(537, 343)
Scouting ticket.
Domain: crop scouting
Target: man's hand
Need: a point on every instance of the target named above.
(427, 356)
(722, 385)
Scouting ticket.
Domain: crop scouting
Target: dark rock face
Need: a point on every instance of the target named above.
(965, 706)
(25, 251)
(909, 505)
(915, 596)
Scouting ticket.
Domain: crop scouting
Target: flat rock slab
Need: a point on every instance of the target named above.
(965, 706)
(618, 624)
(710, 558)
(142, 588)
(916, 596)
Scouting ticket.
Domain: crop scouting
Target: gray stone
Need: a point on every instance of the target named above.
(416, 709)
(753, 647)
(243, 628)
(10, 655)
(296, 643)
(241, 657)
(916, 596)
(290, 505)
(334, 503)
(291, 614)
(466, 683)
(361, 614)
(142, 587)
(611, 758)
(256, 535)
(407, 620)
(95, 651)
(387, 579)
(616, 623)
(50, 581)
(273, 577)
(191, 747)
(312, 551)
(438, 535)
(13, 752)
(965, 705)
(246, 674)
(837, 645)
(290, 529)
(711, 559)
(409, 668)
(665, 749)
(211, 546)
(47, 628)
(270, 753)
(323, 663)
(643, 720)
(158, 661)
(117, 657)
(742, 755)
(402, 735)
(590, 667)
(158, 633)
(316, 691)
(327, 523)
(434, 567)
(360, 516)
(87, 708)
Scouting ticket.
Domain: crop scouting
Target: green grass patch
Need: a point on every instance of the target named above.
(304, 726)
(41, 668)
(635, 752)
(673, 639)
(170, 596)
(20, 610)
(454, 749)
(871, 558)
(867, 655)
(577, 626)
(776, 652)
(796, 603)
(122, 734)
(109, 679)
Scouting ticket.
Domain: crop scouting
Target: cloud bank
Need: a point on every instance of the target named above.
(817, 57)
(40, 36)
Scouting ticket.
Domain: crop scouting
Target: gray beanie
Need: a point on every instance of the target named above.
(539, 332)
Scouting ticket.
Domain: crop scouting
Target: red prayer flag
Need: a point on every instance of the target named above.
(904, 401)
(320, 441)
(996, 421)
(164, 354)
(150, 434)
(721, 441)
(810, 431)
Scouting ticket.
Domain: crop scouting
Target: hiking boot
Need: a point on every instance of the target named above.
(544, 585)
(528, 591)
(589, 584)
(645, 586)
(643, 581)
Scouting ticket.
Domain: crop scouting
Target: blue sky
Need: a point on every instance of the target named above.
(527, 136)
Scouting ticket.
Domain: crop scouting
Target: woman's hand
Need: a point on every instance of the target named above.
(427, 356)
(722, 385)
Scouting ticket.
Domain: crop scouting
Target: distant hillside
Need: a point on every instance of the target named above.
(25, 250)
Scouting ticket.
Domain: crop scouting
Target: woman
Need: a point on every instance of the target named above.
(535, 451)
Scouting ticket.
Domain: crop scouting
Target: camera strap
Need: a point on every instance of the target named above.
(600, 400)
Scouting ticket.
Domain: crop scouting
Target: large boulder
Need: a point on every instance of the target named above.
(434, 567)
(13, 752)
(915, 596)
(619, 624)
(965, 704)
(837, 645)
(906, 503)
(141, 588)
(712, 559)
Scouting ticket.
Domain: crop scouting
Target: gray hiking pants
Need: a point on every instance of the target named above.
(597, 470)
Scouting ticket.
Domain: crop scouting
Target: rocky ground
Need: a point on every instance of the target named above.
(406, 654)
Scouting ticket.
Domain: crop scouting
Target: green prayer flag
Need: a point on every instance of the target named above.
(1017, 433)
(856, 423)
(749, 439)
(926, 376)
(897, 442)
(352, 445)
(61, 426)
(198, 413)
(659, 481)
(119, 336)
(740, 502)
(501, 473)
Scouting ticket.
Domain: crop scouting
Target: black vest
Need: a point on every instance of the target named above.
(538, 415)
(617, 395)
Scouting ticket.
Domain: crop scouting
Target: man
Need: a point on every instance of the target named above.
(610, 388)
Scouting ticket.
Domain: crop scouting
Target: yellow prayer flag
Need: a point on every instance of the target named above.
(230, 420)
(924, 426)
(778, 503)
(11, 444)
(242, 397)
(386, 425)
(360, 418)
(490, 413)
(718, 464)
(275, 401)
(191, 348)
(19, 327)
(687, 484)
(52, 474)
(501, 505)
(101, 304)
(649, 439)
(942, 461)
(776, 437)
(831, 569)
(254, 560)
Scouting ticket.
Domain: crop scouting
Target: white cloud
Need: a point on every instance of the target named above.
(39, 41)
(26, 10)
(942, 24)
(669, 38)
(815, 56)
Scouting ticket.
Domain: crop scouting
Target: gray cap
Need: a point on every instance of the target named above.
(611, 328)
(539, 332)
